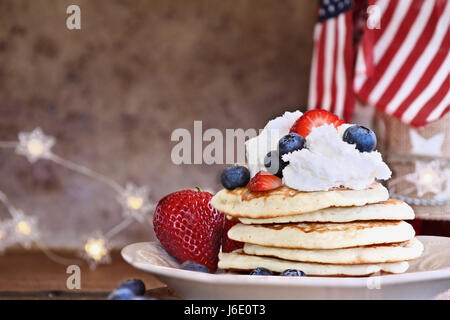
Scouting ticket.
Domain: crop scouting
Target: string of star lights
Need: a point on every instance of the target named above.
(429, 178)
(133, 200)
(429, 182)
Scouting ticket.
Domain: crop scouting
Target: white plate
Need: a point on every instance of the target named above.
(426, 278)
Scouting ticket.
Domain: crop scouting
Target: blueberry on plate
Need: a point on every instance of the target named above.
(292, 273)
(143, 298)
(364, 138)
(261, 272)
(234, 177)
(135, 285)
(121, 294)
(290, 143)
(274, 163)
(194, 266)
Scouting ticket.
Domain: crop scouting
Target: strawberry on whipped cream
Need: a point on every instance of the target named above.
(326, 162)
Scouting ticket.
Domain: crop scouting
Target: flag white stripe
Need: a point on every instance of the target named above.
(437, 112)
(340, 71)
(328, 64)
(388, 35)
(312, 96)
(423, 62)
(402, 54)
(441, 75)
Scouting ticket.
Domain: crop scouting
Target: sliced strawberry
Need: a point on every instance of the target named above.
(229, 245)
(264, 181)
(312, 119)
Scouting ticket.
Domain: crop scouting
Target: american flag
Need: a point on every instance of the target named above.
(400, 64)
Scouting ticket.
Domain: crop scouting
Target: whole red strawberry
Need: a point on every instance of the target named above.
(189, 228)
(229, 245)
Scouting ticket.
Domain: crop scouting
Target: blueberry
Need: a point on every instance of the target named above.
(194, 266)
(364, 138)
(143, 298)
(235, 177)
(293, 273)
(261, 272)
(121, 294)
(274, 163)
(290, 143)
(135, 285)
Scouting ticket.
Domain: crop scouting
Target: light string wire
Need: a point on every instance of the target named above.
(134, 200)
(39, 244)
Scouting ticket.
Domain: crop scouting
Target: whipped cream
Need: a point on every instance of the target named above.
(329, 162)
(258, 147)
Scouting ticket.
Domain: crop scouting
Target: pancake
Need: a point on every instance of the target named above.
(238, 261)
(323, 235)
(284, 201)
(391, 209)
(395, 252)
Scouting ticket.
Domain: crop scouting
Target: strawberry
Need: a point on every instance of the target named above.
(189, 228)
(312, 119)
(264, 181)
(229, 245)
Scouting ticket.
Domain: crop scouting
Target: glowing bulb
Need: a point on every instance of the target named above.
(427, 177)
(134, 202)
(35, 147)
(96, 249)
(2, 234)
(23, 227)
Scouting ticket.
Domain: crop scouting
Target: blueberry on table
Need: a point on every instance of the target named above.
(135, 285)
(292, 273)
(235, 177)
(290, 143)
(261, 272)
(194, 266)
(143, 298)
(121, 294)
(274, 163)
(364, 138)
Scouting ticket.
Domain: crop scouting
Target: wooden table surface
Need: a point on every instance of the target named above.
(32, 275)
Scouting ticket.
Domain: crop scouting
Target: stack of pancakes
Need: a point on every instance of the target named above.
(340, 232)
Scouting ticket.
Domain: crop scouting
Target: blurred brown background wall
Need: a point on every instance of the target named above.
(113, 92)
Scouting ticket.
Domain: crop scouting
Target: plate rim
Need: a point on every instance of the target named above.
(243, 279)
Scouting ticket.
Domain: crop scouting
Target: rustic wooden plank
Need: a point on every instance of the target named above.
(32, 275)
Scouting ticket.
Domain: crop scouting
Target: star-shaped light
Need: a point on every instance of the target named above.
(24, 229)
(445, 194)
(35, 145)
(427, 177)
(423, 146)
(135, 201)
(96, 250)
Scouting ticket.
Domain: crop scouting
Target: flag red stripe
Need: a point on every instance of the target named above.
(421, 117)
(385, 20)
(334, 77)
(349, 57)
(320, 65)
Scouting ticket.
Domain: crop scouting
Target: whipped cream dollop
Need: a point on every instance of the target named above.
(329, 162)
(326, 162)
(258, 147)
